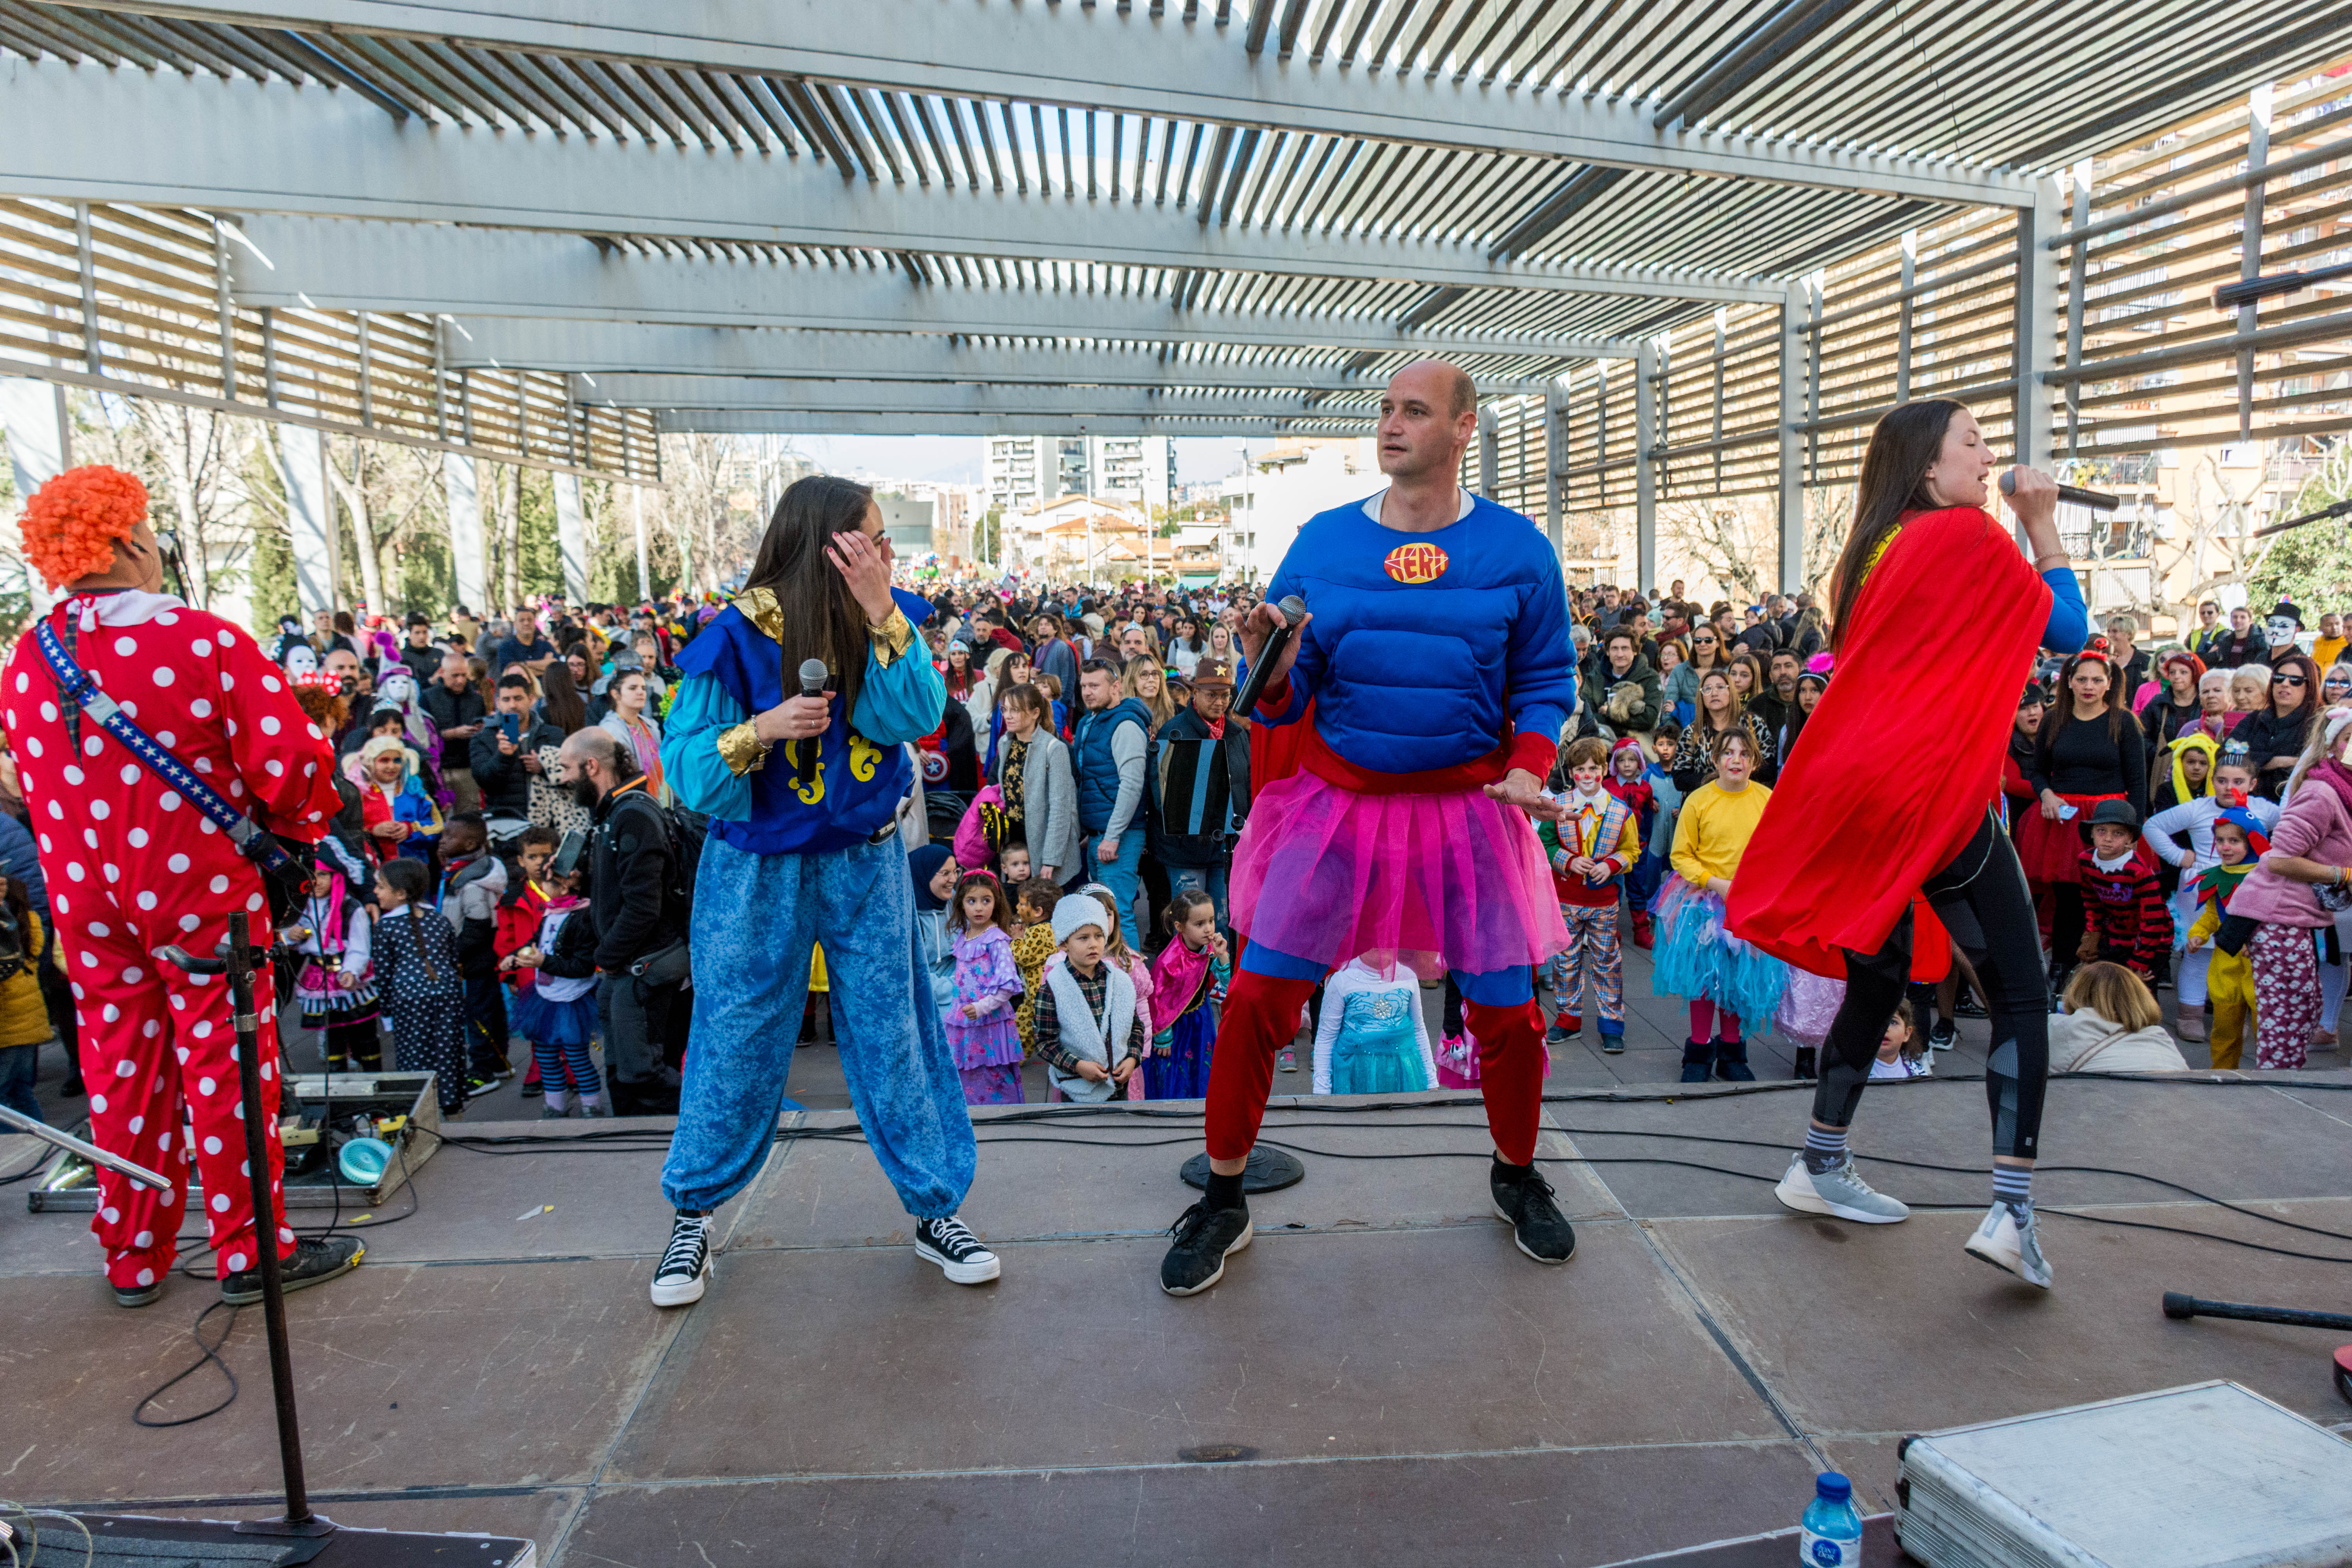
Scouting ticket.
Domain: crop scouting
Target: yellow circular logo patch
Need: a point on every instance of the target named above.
(1416, 563)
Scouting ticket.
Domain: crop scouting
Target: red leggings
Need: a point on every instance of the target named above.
(1262, 1015)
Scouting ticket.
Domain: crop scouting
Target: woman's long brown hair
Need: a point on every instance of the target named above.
(819, 619)
(1903, 445)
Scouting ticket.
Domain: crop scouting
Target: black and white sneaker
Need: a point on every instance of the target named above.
(1525, 1204)
(1205, 1237)
(686, 1263)
(1943, 1035)
(314, 1261)
(961, 1255)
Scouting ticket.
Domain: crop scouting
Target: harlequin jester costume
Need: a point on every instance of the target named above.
(802, 849)
(1436, 663)
(2230, 978)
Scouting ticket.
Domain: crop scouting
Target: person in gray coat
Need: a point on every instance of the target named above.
(1041, 793)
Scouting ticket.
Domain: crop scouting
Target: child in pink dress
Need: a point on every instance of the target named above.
(981, 1028)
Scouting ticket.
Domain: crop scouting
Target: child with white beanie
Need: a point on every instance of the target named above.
(1089, 1029)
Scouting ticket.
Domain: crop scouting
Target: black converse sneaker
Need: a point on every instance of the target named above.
(1205, 1237)
(1525, 1202)
(961, 1255)
(686, 1262)
(314, 1262)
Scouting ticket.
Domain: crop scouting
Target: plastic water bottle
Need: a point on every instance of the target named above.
(1831, 1535)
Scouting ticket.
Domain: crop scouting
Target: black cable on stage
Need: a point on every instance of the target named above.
(211, 1353)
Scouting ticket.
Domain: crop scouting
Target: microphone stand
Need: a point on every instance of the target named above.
(2341, 508)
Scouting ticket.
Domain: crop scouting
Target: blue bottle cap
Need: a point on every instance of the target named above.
(1832, 1486)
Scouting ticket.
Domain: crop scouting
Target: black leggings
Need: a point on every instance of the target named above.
(1983, 899)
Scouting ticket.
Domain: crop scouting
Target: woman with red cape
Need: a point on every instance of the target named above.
(1885, 829)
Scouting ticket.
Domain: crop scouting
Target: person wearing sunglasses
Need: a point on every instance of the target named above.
(2275, 735)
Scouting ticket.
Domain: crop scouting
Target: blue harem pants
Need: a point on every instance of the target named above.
(755, 920)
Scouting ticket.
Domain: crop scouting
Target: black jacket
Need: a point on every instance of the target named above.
(574, 956)
(1190, 781)
(504, 781)
(2267, 735)
(630, 897)
(451, 709)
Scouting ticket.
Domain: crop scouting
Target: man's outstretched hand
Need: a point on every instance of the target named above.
(1524, 790)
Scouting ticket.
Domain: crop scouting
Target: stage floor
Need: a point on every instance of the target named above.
(1387, 1379)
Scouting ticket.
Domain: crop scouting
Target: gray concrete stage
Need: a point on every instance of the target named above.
(1387, 1379)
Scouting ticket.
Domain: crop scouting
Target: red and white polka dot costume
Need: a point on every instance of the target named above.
(132, 866)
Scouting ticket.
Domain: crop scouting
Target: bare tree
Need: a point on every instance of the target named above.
(192, 462)
(2220, 523)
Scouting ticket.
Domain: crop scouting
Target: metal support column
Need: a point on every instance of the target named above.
(2249, 257)
(310, 516)
(461, 491)
(2036, 348)
(1645, 479)
(645, 575)
(2077, 270)
(572, 537)
(367, 375)
(1791, 469)
(1903, 315)
(92, 359)
(269, 356)
(1490, 456)
(440, 380)
(1721, 318)
(40, 447)
(1556, 468)
(224, 313)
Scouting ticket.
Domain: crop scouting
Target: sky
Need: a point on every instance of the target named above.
(957, 460)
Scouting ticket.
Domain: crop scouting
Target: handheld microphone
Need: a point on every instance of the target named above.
(1294, 609)
(812, 684)
(2073, 494)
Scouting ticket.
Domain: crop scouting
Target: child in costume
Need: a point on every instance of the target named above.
(1035, 944)
(416, 970)
(1590, 849)
(2124, 918)
(1642, 884)
(1902, 1053)
(1629, 781)
(336, 983)
(979, 1023)
(1372, 1039)
(1188, 979)
(1724, 978)
(555, 1009)
(2230, 783)
(2238, 838)
(1117, 953)
(1088, 1027)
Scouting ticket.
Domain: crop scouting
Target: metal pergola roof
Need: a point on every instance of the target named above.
(579, 222)
(1563, 169)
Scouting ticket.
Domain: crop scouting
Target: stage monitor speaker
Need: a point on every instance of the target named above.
(2184, 1477)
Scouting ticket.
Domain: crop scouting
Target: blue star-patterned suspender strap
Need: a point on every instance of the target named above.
(75, 685)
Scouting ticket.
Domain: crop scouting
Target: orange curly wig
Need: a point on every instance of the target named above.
(71, 524)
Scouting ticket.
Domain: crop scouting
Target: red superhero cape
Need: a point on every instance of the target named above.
(1898, 763)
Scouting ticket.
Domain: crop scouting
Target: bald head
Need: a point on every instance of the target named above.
(1428, 416)
(1440, 382)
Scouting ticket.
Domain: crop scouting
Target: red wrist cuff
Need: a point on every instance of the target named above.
(1533, 752)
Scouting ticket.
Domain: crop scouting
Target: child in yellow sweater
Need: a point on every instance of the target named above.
(2238, 838)
(1724, 978)
(1033, 904)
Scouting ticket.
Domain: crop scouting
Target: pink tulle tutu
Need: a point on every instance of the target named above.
(1453, 880)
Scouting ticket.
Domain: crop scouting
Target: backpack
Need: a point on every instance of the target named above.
(687, 829)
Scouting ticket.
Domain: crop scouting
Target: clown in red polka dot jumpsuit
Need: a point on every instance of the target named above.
(132, 866)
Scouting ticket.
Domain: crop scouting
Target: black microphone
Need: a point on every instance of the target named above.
(812, 684)
(1293, 609)
(2073, 494)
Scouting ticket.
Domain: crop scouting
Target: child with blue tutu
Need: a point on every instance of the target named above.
(555, 1008)
(1724, 978)
(1188, 979)
(1371, 1037)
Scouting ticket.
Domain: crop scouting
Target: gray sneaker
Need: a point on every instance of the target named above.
(2008, 1240)
(1839, 1191)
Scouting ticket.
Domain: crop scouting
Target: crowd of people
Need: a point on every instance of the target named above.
(517, 817)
